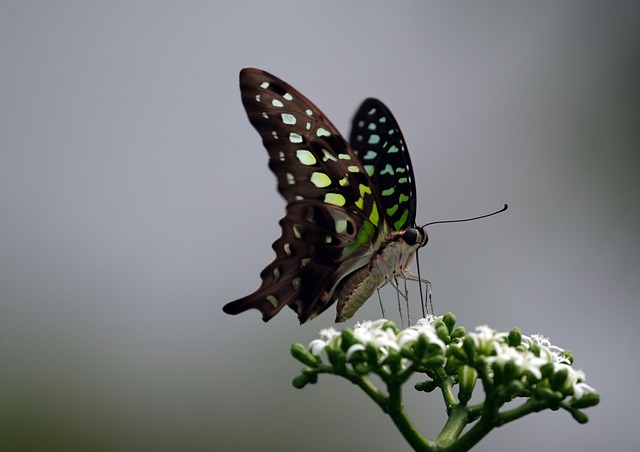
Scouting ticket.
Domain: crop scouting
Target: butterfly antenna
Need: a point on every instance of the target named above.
(468, 219)
(428, 301)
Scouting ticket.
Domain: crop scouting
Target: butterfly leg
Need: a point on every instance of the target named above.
(406, 301)
(380, 301)
(394, 283)
(427, 302)
(413, 277)
(401, 293)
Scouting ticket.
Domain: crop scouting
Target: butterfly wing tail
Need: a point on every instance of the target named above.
(266, 306)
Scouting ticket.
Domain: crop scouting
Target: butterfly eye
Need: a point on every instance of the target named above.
(415, 235)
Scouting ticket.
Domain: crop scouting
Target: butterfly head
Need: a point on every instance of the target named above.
(415, 236)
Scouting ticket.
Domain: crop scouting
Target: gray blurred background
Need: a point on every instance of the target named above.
(136, 200)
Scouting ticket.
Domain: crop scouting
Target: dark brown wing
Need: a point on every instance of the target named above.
(333, 221)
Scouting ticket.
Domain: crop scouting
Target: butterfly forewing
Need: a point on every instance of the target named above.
(307, 153)
(378, 142)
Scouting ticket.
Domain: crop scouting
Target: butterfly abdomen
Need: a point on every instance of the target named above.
(355, 289)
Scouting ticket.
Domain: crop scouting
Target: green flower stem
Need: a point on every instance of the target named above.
(363, 382)
(395, 397)
(530, 406)
(371, 390)
(392, 405)
(404, 375)
(446, 387)
(458, 420)
(395, 410)
(475, 411)
(410, 433)
(489, 419)
(479, 430)
(489, 415)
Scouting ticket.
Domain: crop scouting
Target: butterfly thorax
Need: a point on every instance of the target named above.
(391, 261)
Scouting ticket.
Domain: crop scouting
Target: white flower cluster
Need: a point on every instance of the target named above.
(379, 333)
(529, 361)
(531, 358)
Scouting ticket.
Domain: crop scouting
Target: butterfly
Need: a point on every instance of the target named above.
(349, 226)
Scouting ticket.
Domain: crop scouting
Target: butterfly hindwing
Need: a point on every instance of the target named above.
(378, 142)
(311, 258)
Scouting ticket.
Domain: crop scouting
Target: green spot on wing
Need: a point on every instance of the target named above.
(328, 156)
(364, 237)
(374, 217)
(388, 169)
(288, 118)
(364, 190)
(306, 157)
(401, 222)
(365, 234)
(290, 178)
(341, 226)
(320, 180)
(335, 198)
(271, 299)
